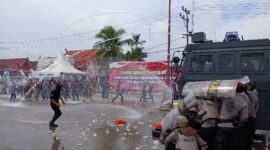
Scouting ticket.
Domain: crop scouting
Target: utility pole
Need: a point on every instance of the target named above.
(149, 36)
(169, 45)
(185, 18)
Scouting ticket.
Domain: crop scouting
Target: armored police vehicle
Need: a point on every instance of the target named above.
(231, 59)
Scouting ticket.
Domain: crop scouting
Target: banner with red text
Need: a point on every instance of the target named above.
(133, 74)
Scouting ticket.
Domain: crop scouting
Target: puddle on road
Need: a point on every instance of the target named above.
(122, 111)
(116, 139)
(13, 104)
(94, 125)
(56, 140)
(32, 121)
(56, 144)
(94, 128)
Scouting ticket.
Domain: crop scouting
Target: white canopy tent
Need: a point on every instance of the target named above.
(59, 66)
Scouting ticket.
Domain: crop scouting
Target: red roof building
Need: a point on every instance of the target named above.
(82, 57)
(13, 66)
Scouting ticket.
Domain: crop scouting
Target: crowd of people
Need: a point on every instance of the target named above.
(216, 123)
(76, 89)
(40, 89)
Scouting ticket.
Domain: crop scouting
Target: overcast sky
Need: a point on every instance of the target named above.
(33, 28)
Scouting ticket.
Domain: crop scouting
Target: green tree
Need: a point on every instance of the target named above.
(136, 46)
(110, 44)
(110, 47)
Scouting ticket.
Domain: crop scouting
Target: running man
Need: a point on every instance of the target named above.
(55, 105)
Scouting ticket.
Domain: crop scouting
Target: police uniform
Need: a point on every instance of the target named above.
(185, 136)
(208, 115)
(250, 127)
(254, 101)
(233, 114)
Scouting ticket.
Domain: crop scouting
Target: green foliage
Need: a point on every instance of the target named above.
(136, 46)
(110, 45)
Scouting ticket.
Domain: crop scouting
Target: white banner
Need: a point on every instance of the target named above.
(45, 74)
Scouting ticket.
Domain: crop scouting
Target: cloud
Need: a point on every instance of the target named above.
(243, 16)
(4, 48)
(36, 20)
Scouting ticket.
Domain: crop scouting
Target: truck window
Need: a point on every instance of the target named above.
(201, 63)
(226, 63)
(252, 62)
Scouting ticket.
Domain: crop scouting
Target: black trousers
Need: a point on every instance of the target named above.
(229, 139)
(143, 96)
(209, 136)
(117, 95)
(13, 96)
(57, 113)
(248, 132)
(170, 146)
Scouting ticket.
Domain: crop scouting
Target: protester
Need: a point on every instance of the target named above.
(75, 90)
(65, 90)
(13, 89)
(89, 91)
(165, 94)
(45, 90)
(143, 94)
(118, 92)
(150, 92)
(38, 88)
(55, 105)
(104, 87)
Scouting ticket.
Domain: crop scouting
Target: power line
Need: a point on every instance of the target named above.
(109, 13)
(141, 23)
(99, 14)
(164, 50)
(201, 7)
(162, 44)
(73, 38)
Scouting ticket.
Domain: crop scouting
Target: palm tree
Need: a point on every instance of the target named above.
(110, 44)
(110, 47)
(136, 52)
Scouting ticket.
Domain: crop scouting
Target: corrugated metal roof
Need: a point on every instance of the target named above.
(82, 57)
(13, 64)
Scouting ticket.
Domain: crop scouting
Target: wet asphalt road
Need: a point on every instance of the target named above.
(82, 126)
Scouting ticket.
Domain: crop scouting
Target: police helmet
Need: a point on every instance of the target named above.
(181, 106)
(181, 121)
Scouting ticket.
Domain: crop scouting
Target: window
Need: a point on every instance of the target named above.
(226, 63)
(252, 62)
(201, 63)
